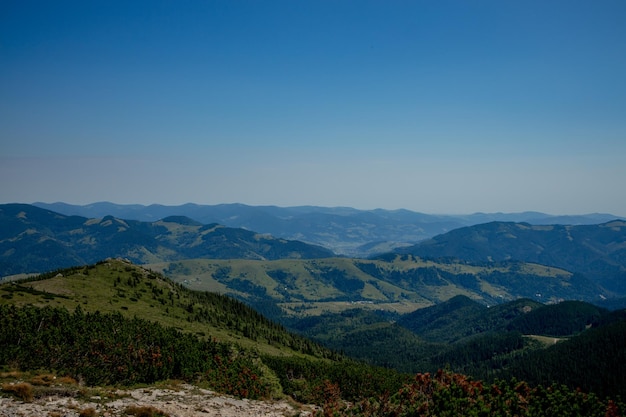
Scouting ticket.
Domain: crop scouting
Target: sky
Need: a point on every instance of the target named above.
(443, 107)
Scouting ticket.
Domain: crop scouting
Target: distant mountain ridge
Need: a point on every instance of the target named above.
(344, 230)
(37, 240)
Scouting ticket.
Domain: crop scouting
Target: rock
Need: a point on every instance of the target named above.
(181, 401)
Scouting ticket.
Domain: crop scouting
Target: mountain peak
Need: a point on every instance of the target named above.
(184, 220)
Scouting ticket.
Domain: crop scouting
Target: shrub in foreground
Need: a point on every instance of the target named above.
(22, 390)
(449, 394)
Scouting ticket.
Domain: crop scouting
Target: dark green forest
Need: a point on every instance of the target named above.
(111, 349)
(104, 349)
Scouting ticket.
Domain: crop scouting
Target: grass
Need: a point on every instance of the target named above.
(88, 412)
(316, 309)
(302, 286)
(545, 271)
(21, 390)
(34, 384)
(546, 341)
(106, 288)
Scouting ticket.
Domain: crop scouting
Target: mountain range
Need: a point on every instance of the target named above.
(506, 260)
(595, 251)
(487, 300)
(38, 240)
(344, 230)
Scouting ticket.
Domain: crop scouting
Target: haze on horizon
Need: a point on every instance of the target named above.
(437, 107)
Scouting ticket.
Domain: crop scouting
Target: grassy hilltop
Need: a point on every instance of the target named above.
(117, 286)
(398, 283)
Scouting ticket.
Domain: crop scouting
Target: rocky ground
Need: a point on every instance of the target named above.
(180, 401)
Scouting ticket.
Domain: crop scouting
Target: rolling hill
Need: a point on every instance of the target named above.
(260, 269)
(116, 285)
(572, 342)
(344, 230)
(461, 318)
(595, 251)
(484, 316)
(38, 240)
(117, 297)
(399, 284)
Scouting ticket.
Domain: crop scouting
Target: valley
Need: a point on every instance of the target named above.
(493, 309)
(312, 208)
(401, 284)
(490, 343)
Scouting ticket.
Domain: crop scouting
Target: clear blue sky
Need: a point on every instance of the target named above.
(433, 106)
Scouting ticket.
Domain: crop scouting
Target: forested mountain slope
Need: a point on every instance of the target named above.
(116, 322)
(596, 251)
(460, 317)
(38, 240)
(595, 360)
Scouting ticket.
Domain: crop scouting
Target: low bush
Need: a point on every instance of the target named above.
(43, 380)
(144, 411)
(22, 390)
(88, 412)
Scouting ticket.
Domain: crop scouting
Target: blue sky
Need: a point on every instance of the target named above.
(432, 106)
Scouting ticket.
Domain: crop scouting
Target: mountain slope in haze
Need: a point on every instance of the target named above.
(344, 230)
(596, 251)
(341, 229)
(37, 240)
(34, 239)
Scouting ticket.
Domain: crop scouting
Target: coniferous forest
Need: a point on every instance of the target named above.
(106, 349)
(118, 347)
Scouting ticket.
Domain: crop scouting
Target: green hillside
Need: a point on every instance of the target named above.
(399, 284)
(594, 361)
(460, 317)
(117, 286)
(435, 323)
(595, 251)
(526, 340)
(118, 323)
(115, 322)
(563, 319)
(349, 305)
